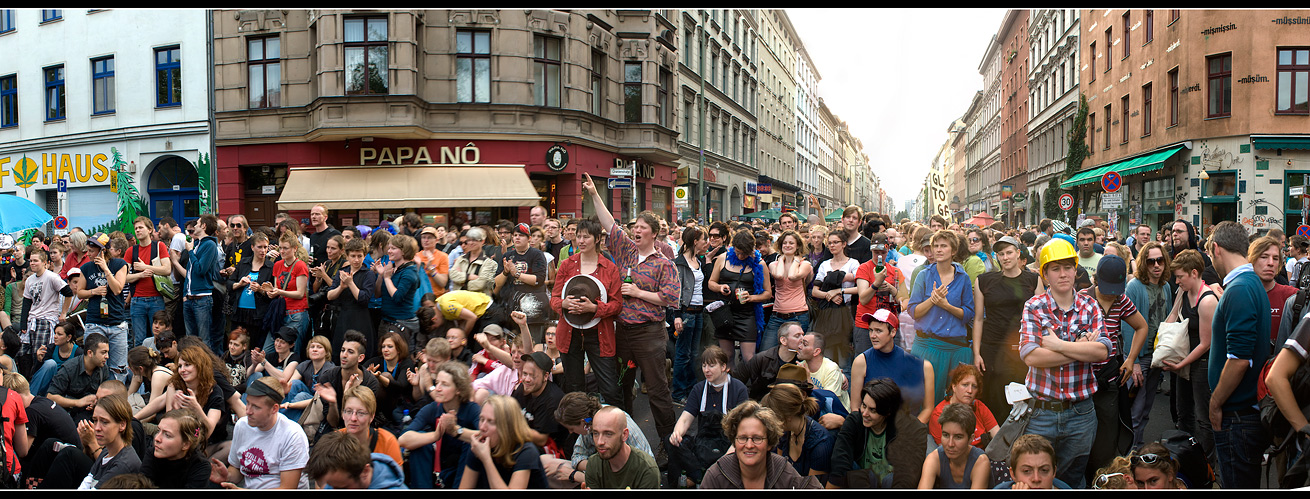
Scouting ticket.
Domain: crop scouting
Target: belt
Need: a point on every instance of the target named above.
(960, 341)
(1054, 405)
(787, 316)
(296, 310)
(1246, 411)
(692, 309)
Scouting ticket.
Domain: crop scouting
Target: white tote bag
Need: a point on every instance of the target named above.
(1171, 341)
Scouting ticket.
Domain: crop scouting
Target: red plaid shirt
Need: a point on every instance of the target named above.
(1074, 381)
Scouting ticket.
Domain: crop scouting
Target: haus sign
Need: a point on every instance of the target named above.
(37, 169)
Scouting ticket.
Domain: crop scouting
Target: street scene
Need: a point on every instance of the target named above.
(797, 248)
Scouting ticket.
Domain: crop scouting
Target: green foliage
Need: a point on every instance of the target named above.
(130, 204)
(1078, 152)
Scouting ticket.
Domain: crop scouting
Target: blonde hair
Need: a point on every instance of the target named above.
(294, 241)
(511, 426)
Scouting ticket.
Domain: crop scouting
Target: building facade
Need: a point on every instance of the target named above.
(1203, 113)
(811, 175)
(1052, 98)
(777, 44)
(457, 115)
(80, 100)
(1013, 159)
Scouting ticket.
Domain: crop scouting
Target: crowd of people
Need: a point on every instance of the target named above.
(863, 353)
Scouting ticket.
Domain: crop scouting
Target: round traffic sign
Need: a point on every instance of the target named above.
(1303, 231)
(1066, 201)
(1111, 181)
(61, 223)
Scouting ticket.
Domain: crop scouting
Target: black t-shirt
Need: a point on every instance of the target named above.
(192, 473)
(531, 262)
(332, 376)
(95, 277)
(45, 419)
(540, 412)
(217, 401)
(1003, 299)
(861, 250)
(318, 244)
(528, 457)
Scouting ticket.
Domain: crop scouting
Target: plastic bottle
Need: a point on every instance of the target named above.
(406, 419)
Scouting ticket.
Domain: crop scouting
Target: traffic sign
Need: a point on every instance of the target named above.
(620, 172)
(1066, 202)
(61, 222)
(1112, 200)
(62, 185)
(1111, 181)
(1303, 231)
(620, 183)
(681, 197)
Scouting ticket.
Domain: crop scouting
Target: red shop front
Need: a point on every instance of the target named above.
(444, 181)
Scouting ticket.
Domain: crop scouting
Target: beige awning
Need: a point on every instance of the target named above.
(418, 186)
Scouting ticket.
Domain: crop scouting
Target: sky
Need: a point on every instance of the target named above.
(898, 78)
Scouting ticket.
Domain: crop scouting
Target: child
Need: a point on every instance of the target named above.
(707, 402)
(1032, 465)
(237, 359)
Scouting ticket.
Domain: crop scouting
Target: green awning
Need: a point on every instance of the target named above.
(1132, 166)
(1281, 142)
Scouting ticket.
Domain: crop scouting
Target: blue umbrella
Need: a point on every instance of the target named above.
(18, 214)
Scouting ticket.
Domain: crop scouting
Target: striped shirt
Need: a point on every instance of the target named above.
(1076, 380)
(654, 273)
(1119, 311)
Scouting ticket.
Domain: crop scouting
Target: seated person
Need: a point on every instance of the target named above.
(63, 347)
(66, 465)
(332, 382)
(458, 340)
(539, 399)
(1118, 475)
(616, 465)
(707, 402)
(46, 425)
(885, 358)
(358, 408)
(963, 389)
(754, 430)
(825, 374)
(162, 321)
(450, 422)
(1154, 468)
(268, 450)
(1032, 465)
(492, 339)
(74, 385)
(391, 367)
(300, 384)
(143, 363)
(463, 307)
(956, 463)
(237, 358)
(879, 445)
(503, 379)
(111, 429)
(281, 363)
(436, 352)
(805, 443)
(502, 456)
(575, 413)
(340, 461)
(176, 458)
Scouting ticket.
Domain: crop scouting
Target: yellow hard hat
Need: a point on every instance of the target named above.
(1055, 250)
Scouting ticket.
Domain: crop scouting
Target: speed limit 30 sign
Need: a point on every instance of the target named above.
(1066, 202)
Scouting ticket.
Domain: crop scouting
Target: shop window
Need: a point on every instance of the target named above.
(1221, 184)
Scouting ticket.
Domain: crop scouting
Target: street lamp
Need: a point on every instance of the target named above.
(1204, 176)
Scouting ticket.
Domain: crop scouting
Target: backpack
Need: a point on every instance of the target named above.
(1190, 457)
(7, 478)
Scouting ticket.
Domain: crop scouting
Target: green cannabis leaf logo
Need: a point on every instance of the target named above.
(25, 172)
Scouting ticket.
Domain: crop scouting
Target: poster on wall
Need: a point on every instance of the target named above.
(369, 217)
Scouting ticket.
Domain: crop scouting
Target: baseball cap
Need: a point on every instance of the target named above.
(524, 229)
(287, 334)
(540, 359)
(884, 316)
(100, 240)
(493, 329)
(1010, 240)
(428, 230)
(1111, 275)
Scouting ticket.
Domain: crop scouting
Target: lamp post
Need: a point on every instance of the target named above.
(1204, 176)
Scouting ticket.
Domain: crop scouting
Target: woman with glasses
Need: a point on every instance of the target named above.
(358, 407)
(978, 257)
(1154, 468)
(754, 431)
(834, 286)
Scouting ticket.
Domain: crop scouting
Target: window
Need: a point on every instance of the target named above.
(366, 55)
(48, 15)
(1173, 97)
(687, 112)
(1092, 50)
(6, 20)
(1148, 24)
(714, 67)
(632, 92)
(1109, 45)
(1107, 126)
(1293, 73)
(546, 69)
(662, 98)
(472, 66)
(264, 60)
(597, 83)
(54, 93)
(102, 85)
(1146, 109)
(1127, 32)
(1174, 14)
(9, 101)
(687, 40)
(1123, 121)
(168, 77)
(1219, 79)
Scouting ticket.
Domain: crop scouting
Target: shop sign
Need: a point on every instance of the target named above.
(639, 168)
(684, 176)
(763, 188)
(48, 168)
(709, 175)
(468, 154)
(748, 202)
(557, 157)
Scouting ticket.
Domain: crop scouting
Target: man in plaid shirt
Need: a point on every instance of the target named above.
(1060, 338)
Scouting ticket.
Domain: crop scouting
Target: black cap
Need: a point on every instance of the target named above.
(540, 359)
(288, 334)
(1111, 275)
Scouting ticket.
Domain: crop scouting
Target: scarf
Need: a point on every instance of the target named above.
(757, 271)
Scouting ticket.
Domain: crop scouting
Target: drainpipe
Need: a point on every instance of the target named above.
(213, 163)
(700, 142)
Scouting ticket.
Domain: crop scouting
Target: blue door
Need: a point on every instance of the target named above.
(174, 191)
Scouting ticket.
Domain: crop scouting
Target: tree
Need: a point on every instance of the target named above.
(1078, 151)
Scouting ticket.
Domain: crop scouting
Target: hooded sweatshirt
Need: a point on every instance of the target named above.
(386, 473)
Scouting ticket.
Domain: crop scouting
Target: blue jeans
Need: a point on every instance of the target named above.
(300, 321)
(684, 354)
(196, 313)
(1071, 432)
(771, 329)
(117, 335)
(1239, 447)
(41, 380)
(143, 313)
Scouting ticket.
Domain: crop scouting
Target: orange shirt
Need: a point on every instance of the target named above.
(436, 261)
(387, 444)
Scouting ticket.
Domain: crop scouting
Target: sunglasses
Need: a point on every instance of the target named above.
(1155, 261)
(1104, 479)
(1147, 458)
(975, 240)
(713, 234)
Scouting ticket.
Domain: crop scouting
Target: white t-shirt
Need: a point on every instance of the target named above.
(850, 267)
(43, 290)
(178, 244)
(829, 377)
(261, 456)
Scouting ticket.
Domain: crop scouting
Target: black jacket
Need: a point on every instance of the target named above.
(906, 448)
(243, 269)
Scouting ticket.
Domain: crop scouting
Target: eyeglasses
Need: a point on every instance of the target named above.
(756, 439)
(975, 240)
(715, 234)
(1104, 479)
(237, 225)
(1147, 459)
(358, 414)
(1155, 261)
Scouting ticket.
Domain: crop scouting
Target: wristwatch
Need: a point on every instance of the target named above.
(459, 431)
